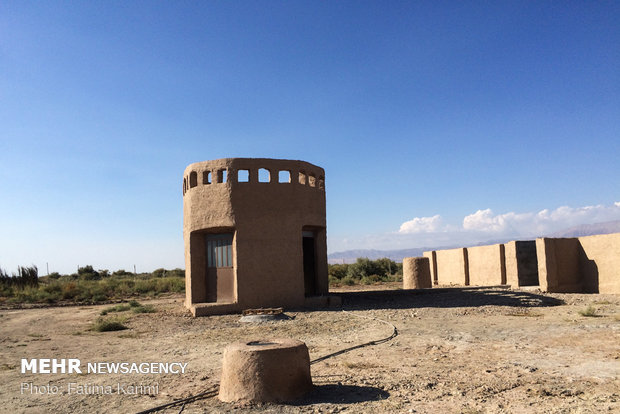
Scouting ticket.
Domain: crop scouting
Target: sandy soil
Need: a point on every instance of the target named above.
(458, 351)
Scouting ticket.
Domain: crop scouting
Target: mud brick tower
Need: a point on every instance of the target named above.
(255, 235)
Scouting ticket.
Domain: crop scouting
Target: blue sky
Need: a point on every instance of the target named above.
(435, 121)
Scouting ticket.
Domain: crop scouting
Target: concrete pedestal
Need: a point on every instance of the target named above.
(416, 273)
(275, 370)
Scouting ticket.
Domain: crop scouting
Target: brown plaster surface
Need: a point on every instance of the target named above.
(432, 257)
(267, 219)
(588, 264)
(266, 370)
(452, 267)
(486, 265)
(600, 263)
(558, 265)
(416, 273)
(512, 266)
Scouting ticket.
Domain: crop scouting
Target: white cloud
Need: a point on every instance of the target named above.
(484, 220)
(480, 227)
(539, 223)
(422, 225)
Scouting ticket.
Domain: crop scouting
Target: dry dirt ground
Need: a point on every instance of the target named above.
(457, 351)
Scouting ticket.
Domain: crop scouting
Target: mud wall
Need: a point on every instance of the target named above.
(486, 265)
(558, 264)
(571, 265)
(432, 257)
(588, 264)
(600, 263)
(452, 267)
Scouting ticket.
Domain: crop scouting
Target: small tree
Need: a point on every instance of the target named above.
(176, 272)
(363, 267)
(386, 267)
(161, 272)
(337, 271)
(54, 275)
(88, 273)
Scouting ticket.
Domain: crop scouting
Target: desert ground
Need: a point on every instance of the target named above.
(458, 350)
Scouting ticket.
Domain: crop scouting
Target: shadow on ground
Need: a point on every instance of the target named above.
(443, 298)
(342, 394)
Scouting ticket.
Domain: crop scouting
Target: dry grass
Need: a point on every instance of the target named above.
(109, 324)
(524, 312)
(7, 367)
(129, 335)
(590, 312)
(134, 306)
(358, 365)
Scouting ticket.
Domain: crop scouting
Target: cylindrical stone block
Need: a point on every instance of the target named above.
(416, 273)
(275, 370)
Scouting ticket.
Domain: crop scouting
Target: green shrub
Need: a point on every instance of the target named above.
(47, 297)
(6, 291)
(143, 309)
(99, 298)
(372, 279)
(364, 267)
(365, 271)
(348, 280)
(124, 287)
(117, 308)
(159, 272)
(398, 277)
(88, 273)
(70, 290)
(85, 287)
(385, 267)
(176, 273)
(170, 284)
(52, 287)
(144, 286)
(111, 324)
(337, 271)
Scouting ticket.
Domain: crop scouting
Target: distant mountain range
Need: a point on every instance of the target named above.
(350, 256)
(589, 230)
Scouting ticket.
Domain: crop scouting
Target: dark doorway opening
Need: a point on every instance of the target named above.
(308, 242)
(527, 263)
(220, 271)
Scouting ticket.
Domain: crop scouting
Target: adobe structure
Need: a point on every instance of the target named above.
(255, 235)
(588, 264)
